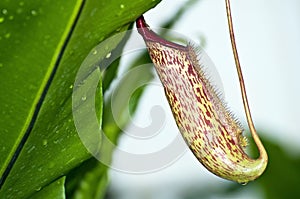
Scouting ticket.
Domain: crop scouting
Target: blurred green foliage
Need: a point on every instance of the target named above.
(282, 176)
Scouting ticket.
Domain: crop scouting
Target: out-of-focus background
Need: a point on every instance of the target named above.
(268, 40)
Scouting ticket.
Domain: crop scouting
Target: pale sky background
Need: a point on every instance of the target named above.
(268, 40)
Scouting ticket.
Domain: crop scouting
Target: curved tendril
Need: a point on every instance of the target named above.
(262, 152)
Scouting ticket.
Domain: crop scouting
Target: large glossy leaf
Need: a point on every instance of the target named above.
(29, 51)
(47, 43)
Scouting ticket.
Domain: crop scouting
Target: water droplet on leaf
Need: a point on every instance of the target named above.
(45, 142)
(7, 35)
(95, 52)
(33, 12)
(55, 141)
(4, 11)
(108, 55)
(31, 149)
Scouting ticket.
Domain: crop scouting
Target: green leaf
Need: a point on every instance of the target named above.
(55, 190)
(28, 53)
(42, 47)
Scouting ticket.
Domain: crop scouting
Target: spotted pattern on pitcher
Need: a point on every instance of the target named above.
(210, 130)
(206, 125)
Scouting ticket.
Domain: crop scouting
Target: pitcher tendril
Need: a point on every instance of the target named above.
(210, 130)
(263, 156)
